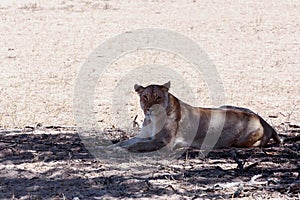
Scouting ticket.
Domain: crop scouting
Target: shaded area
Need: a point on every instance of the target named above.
(53, 164)
(19, 147)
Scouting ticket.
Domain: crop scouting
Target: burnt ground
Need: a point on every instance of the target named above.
(52, 163)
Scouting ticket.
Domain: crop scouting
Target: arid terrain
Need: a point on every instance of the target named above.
(254, 47)
(53, 163)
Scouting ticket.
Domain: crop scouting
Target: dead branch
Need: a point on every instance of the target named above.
(251, 182)
(135, 123)
(239, 163)
(254, 182)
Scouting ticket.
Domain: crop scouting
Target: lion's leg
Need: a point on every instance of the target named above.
(261, 137)
(131, 142)
(146, 132)
(253, 138)
(146, 146)
(137, 144)
(160, 140)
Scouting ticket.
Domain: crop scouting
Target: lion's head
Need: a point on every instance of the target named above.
(154, 98)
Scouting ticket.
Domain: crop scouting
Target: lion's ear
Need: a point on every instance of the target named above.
(167, 85)
(138, 88)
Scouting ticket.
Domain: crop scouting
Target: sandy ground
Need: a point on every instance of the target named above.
(255, 46)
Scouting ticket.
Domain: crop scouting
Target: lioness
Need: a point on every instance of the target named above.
(172, 123)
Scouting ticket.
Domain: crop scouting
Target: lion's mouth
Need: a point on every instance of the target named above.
(154, 110)
(149, 113)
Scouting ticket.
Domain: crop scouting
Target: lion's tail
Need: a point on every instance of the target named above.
(274, 135)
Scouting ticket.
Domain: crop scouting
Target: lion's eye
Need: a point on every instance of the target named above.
(145, 98)
(157, 100)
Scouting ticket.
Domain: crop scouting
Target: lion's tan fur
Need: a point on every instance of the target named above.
(173, 123)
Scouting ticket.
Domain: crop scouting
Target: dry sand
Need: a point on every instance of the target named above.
(254, 45)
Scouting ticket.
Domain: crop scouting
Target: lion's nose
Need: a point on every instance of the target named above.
(149, 110)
